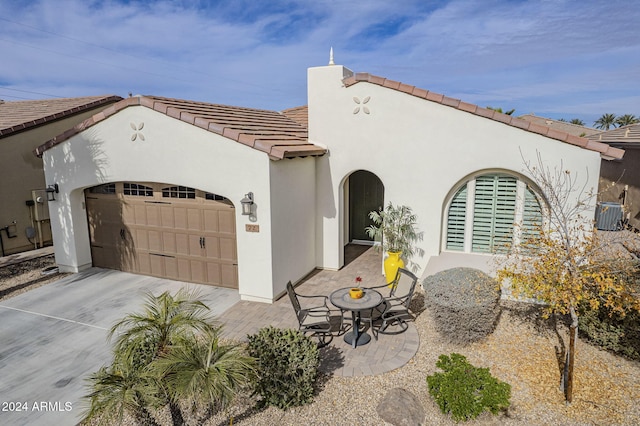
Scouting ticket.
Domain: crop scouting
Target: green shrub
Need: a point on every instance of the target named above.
(287, 366)
(466, 391)
(614, 333)
(463, 303)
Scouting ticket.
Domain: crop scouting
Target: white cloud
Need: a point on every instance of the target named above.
(554, 56)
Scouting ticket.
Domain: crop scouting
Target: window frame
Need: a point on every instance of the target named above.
(524, 186)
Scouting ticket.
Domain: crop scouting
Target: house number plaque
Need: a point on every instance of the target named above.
(252, 228)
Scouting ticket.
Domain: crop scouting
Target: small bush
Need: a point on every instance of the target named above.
(466, 391)
(463, 302)
(287, 366)
(620, 335)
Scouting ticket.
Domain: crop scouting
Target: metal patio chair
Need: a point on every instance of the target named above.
(314, 318)
(394, 309)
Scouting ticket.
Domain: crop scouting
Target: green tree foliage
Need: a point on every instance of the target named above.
(605, 122)
(466, 391)
(577, 121)
(625, 120)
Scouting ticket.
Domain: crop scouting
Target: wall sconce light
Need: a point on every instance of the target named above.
(52, 190)
(247, 204)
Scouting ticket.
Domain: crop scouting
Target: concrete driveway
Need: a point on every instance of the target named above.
(53, 337)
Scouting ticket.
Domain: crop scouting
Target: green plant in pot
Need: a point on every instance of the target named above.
(395, 227)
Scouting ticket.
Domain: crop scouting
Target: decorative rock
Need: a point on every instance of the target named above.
(401, 408)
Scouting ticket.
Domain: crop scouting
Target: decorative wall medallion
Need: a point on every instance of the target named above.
(137, 131)
(365, 109)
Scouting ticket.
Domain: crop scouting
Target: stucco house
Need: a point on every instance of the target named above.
(620, 179)
(155, 185)
(24, 125)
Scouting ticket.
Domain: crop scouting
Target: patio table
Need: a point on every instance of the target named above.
(370, 299)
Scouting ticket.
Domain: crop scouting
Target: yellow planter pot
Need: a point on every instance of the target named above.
(391, 265)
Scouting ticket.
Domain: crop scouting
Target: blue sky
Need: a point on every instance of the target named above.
(555, 58)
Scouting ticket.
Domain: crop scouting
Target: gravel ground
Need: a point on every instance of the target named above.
(521, 351)
(24, 276)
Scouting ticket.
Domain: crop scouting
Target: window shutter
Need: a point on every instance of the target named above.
(456, 219)
(494, 213)
(531, 217)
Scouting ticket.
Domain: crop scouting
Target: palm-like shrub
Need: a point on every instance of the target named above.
(205, 372)
(169, 354)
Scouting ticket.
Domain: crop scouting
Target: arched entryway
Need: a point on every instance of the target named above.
(366, 193)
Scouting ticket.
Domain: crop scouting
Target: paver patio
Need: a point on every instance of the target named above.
(339, 358)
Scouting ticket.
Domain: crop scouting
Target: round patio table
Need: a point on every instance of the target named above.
(370, 299)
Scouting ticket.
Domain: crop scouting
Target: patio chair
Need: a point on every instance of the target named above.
(394, 309)
(312, 319)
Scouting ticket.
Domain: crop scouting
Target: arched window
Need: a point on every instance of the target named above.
(490, 213)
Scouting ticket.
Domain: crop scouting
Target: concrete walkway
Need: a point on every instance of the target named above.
(339, 358)
(53, 337)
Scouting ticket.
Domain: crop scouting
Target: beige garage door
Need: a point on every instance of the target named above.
(163, 230)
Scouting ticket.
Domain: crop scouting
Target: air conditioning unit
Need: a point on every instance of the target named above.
(609, 216)
(41, 205)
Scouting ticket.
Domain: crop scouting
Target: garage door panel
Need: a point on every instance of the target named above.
(169, 245)
(227, 221)
(156, 263)
(213, 273)
(212, 247)
(144, 263)
(228, 276)
(180, 217)
(211, 218)
(141, 239)
(167, 217)
(194, 220)
(171, 268)
(227, 249)
(183, 239)
(155, 241)
(182, 244)
(152, 216)
(198, 271)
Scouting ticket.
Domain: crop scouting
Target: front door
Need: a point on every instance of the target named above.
(366, 193)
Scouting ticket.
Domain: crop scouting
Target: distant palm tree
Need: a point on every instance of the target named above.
(510, 112)
(206, 373)
(577, 121)
(605, 122)
(625, 120)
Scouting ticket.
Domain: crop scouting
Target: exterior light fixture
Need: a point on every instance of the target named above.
(247, 204)
(52, 190)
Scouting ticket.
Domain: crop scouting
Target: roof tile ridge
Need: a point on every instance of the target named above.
(475, 109)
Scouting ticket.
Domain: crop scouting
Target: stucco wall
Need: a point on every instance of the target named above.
(171, 152)
(293, 207)
(419, 149)
(23, 172)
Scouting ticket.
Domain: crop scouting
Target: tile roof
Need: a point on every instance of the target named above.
(298, 114)
(606, 151)
(563, 126)
(622, 137)
(23, 115)
(269, 131)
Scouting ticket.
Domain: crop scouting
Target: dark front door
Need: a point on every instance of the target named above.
(366, 193)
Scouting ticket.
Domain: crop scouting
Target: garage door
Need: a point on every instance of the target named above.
(163, 230)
